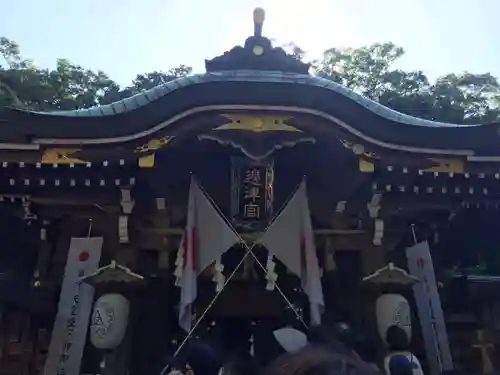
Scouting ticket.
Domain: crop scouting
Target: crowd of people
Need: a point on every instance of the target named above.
(324, 353)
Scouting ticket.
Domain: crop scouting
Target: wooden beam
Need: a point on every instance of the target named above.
(76, 198)
(318, 232)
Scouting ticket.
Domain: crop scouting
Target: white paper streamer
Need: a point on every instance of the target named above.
(271, 276)
(179, 266)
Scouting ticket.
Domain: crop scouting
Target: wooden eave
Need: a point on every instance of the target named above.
(199, 123)
(240, 83)
(141, 152)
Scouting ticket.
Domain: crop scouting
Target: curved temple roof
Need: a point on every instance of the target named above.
(256, 76)
(148, 96)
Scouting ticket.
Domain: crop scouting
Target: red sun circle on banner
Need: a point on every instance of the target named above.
(420, 263)
(84, 256)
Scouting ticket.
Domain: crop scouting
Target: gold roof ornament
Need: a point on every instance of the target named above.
(112, 273)
(62, 156)
(391, 274)
(257, 124)
(154, 144)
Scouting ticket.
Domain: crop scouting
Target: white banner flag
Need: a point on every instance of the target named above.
(206, 238)
(291, 239)
(75, 302)
(430, 312)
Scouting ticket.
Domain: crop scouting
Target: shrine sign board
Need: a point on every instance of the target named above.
(252, 193)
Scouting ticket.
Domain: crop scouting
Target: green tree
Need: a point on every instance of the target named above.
(145, 81)
(457, 98)
(9, 50)
(149, 80)
(68, 86)
(294, 50)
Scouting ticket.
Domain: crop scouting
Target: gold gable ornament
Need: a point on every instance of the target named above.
(446, 166)
(154, 144)
(147, 161)
(357, 149)
(258, 124)
(366, 166)
(61, 156)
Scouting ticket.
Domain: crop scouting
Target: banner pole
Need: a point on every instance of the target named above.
(413, 232)
(248, 251)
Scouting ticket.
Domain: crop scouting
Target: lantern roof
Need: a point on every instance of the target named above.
(112, 273)
(390, 274)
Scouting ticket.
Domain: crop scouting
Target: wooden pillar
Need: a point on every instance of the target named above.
(151, 328)
(373, 258)
(152, 322)
(43, 259)
(485, 347)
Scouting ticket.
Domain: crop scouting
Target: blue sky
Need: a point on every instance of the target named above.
(126, 37)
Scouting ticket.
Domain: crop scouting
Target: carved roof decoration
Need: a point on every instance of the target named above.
(257, 136)
(257, 54)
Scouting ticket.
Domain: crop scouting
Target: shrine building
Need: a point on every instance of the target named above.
(251, 131)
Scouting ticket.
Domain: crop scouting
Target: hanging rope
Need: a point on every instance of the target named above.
(248, 251)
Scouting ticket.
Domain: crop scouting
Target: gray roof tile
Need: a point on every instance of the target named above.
(155, 93)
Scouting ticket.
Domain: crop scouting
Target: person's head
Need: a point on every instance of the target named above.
(334, 337)
(367, 350)
(318, 360)
(343, 339)
(242, 364)
(396, 338)
(196, 358)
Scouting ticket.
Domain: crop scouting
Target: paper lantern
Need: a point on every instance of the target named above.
(393, 309)
(109, 321)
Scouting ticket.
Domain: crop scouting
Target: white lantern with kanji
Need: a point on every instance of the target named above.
(109, 321)
(393, 309)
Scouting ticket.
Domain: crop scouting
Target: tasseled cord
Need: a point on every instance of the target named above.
(271, 275)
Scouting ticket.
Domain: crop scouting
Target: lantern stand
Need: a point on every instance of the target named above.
(109, 328)
(391, 307)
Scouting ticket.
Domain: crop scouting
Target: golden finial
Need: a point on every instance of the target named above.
(259, 15)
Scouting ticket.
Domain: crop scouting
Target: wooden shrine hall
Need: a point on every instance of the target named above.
(378, 182)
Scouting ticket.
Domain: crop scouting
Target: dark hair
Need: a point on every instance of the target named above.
(328, 336)
(397, 339)
(200, 356)
(242, 364)
(367, 350)
(318, 360)
(343, 339)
